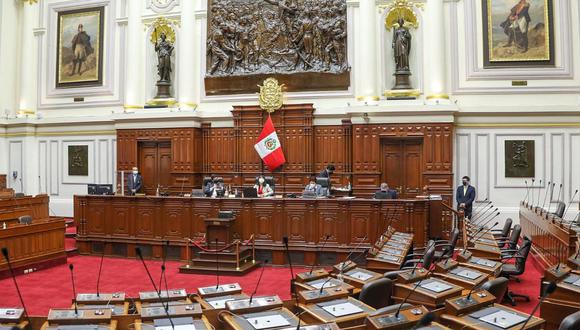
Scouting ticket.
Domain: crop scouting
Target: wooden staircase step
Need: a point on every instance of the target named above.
(229, 270)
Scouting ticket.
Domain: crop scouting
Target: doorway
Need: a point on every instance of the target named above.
(403, 166)
(155, 165)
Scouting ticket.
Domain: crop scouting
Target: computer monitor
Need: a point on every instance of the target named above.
(104, 189)
(92, 189)
(250, 192)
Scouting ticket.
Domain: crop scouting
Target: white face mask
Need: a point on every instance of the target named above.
(261, 180)
(312, 185)
(135, 172)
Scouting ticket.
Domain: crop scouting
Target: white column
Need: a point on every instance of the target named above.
(28, 58)
(186, 68)
(134, 74)
(366, 52)
(434, 52)
(9, 61)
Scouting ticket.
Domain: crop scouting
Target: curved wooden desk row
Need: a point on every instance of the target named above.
(149, 221)
(564, 301)
(34, 206)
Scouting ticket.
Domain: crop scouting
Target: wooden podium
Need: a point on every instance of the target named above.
(222, 252)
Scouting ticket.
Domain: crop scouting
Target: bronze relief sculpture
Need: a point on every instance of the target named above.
(290, 39)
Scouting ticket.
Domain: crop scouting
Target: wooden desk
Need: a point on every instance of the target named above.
(98, 316)
(327, 282)
(426, 297)
(219, 302)
(322, 313)
(358, 277)
(407, 318)
(561, 303)
(34, 206)
(242, 322)
(201, 324)
(455, 276)
(553, 242)
(12, 317)
(483, 265)
(39, 242)
(472, 320)
(148, 221)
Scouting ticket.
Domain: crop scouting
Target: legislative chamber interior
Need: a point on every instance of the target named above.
(289, 164)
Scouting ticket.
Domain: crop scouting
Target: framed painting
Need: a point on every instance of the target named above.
(78, 160)
(79, 47)
(518, 33)
(520, 159)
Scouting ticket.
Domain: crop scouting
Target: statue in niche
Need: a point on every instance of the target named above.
(250, 37)
(164, 49)
(402, 46)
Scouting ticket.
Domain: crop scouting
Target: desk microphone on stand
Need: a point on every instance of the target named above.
(7, 257)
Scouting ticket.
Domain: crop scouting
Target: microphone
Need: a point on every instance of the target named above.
(285, 240)
(99, 276)
(72, 277)
(551, 198)
(489, 220)
(322, 248)
(164, 252)
(549, 290)
(425, 320)
(485, 231)
(546, 195)
(486, 201)
(165, 307)
(411, 292)
(487, 216)
(479, 216)
(527, 191)
(558, 199)
(573, 221)
(532, 191)
(569, 203)
(258, 283)
(7, 257)
(217, 266)
(539, 193)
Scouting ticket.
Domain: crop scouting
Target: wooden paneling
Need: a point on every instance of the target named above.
(36, 207)
(2, 181)
(151, 220)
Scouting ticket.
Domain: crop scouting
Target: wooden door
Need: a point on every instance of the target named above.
(402, 166)
(155, 165)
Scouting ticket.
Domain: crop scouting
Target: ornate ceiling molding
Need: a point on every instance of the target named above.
(162, 6)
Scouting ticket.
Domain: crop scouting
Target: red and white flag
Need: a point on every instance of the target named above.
(269, 147)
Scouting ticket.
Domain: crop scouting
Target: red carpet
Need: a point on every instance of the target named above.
(52, 287)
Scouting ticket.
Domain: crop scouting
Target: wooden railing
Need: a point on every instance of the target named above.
(553, 239)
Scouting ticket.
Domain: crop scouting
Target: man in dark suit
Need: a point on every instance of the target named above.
(327, 172)
(465, 196)
(385, 192)
(134, 182)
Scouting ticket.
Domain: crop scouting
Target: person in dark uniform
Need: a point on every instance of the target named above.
(81, 47)
(385, 192)
(465, 196)
(327, 172)
(134, 182)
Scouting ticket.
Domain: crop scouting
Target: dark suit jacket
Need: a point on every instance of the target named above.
(134, 184)
(324, 174)
(468, 198)
(389, 194)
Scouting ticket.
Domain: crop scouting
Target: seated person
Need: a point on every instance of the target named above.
(263, 189)
(385, 192)
(314, 189)
(214, 188)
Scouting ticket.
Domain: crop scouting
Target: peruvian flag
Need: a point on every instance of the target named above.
(269, 147)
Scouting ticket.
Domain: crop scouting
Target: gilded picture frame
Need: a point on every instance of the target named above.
(518, 33)
(520, 160)
(79, 58)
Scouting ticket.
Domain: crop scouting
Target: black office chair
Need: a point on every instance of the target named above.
(502, 234)
(571, 322)
(512, 242)
(19, 195)
(25, 220)
(390, 309)
(377, 294)
(510, 270)
(324, 184)
(444, 249)
(497, 287)
(425, 259)
(560, 208)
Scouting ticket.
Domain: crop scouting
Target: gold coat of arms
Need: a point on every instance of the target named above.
(271, 95)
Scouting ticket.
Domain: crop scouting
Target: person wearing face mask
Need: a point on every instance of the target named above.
(465, 196)
(313, 188)
(134, 182)
(263, 189)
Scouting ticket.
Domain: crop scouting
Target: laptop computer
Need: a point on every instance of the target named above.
(250, 192)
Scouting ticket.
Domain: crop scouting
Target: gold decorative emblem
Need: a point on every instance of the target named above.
(162, 25)
(30, 2)
(401, 9)
(271, 95)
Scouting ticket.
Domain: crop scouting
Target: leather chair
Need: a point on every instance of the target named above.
(444, 249)
(425, 259)
(25, 220)
(389, 309)
(377, 294)
(571, 322)
(560, 208)
(19, 195)
(518, 268)
(512, 242)
(496, 287)
(502, 234)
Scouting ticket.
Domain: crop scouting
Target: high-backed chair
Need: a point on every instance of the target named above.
(502, 234)
(560, 208)
(377, 294)
(324, 184)
(510, 270)
(390, 309)
(425, 259)
(25, 220)
(497, 287)
(512, 242)
(571, 322)
(444, 249)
